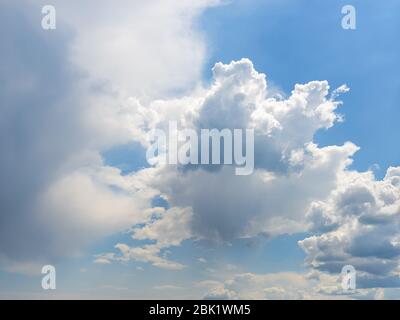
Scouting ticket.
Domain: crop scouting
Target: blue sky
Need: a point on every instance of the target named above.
(292, 42)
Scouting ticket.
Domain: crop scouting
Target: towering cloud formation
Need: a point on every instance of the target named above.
(291, 170)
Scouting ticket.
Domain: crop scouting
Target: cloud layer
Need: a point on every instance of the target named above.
(358, 225)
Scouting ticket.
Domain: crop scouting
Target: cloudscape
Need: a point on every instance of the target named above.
(202, 149)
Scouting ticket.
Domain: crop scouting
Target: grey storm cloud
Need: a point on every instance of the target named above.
(38, 126)
(60, 109)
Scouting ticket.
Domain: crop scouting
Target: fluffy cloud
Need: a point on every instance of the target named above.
(226, 206)
(297, 185)
(358, 225)
(170, 228)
